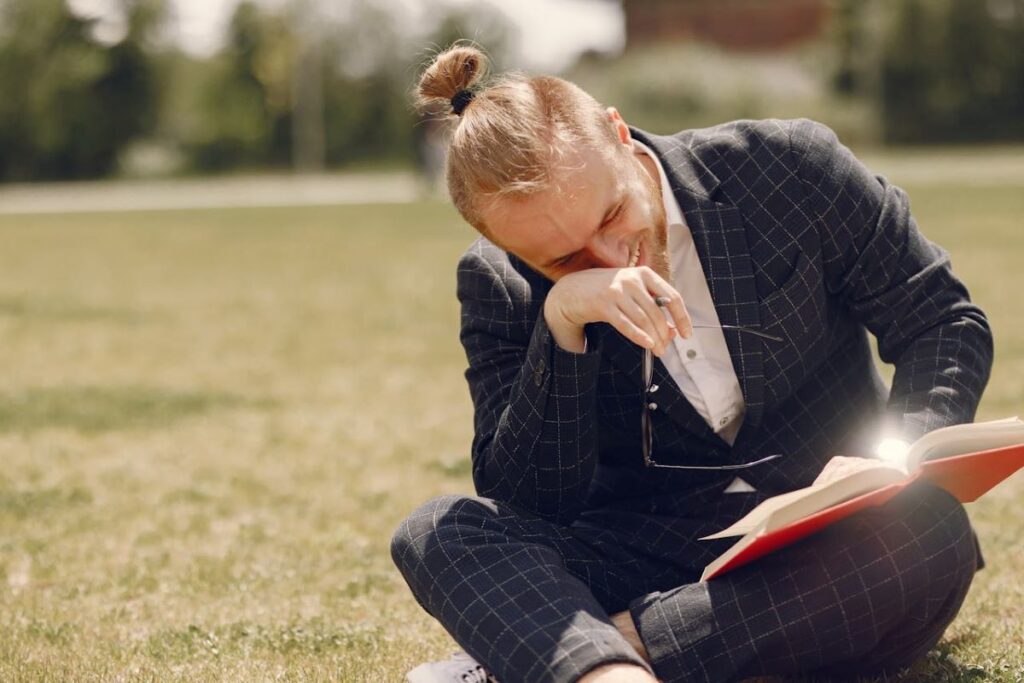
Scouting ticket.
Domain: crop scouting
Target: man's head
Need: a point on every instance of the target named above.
(544, 171)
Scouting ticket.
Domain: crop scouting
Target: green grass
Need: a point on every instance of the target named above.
(211, 422)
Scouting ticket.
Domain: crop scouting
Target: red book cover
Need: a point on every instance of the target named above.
(967, 477)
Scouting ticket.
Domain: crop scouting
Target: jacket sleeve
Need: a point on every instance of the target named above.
(899, 284)
(535, 441)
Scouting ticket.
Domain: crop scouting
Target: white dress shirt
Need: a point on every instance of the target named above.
(701, 365)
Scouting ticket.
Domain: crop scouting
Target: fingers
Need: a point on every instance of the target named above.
(623, 297)
(636, 302)
(645, 315)
(648, 315)
(673, 301)
(630, 330)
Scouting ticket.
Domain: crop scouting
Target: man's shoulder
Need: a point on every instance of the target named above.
(482, 253)
(751, 137)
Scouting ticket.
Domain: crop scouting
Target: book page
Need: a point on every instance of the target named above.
(965, 438)
(786, 508)
(777, 511)
(965, 460)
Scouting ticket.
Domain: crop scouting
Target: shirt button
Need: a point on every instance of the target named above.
(691, 354)
(724, 421)
(652, 406)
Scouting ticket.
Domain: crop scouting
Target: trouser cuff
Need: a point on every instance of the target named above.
(670, 625)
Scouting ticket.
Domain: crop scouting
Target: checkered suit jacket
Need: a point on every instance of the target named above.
(796, 238)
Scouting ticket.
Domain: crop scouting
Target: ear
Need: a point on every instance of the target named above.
(621, 129)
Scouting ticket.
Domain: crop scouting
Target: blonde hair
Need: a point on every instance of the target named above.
(511, 132)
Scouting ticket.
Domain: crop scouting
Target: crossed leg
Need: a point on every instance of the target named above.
(531, 599)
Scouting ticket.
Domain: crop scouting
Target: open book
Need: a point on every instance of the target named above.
(967, 460)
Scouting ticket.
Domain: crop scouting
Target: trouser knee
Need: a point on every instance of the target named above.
(938, 524)
(932, 547)
(420, 541)
(910, 554)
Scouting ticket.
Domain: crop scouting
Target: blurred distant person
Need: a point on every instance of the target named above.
(428, 135)
(598, 475)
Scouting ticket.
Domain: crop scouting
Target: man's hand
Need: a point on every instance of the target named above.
(622, 297)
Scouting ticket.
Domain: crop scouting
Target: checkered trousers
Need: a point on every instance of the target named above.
(530, 598)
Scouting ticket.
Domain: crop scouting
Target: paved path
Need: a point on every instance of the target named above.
(216, 192)
(967, 166)
(970, 167)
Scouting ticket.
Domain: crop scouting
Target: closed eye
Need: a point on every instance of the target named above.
(609, 219)
(615, 215)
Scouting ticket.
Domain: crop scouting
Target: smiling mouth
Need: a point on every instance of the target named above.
(634, 259)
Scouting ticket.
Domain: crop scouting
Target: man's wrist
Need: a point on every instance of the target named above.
(568, 336)
(623, 621)
(570, 341)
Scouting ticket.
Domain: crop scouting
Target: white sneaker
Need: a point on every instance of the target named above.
(461, 668)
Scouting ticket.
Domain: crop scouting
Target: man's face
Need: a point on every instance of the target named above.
(602, 211)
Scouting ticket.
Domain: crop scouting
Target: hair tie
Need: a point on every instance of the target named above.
(461, 100)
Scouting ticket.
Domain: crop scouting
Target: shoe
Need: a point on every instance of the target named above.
(461, 668)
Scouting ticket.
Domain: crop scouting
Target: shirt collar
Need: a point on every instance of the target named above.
(673, 213)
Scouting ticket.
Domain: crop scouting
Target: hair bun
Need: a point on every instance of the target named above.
(461, 101)
(451, 76)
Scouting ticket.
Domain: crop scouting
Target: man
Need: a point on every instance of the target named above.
(774, 252)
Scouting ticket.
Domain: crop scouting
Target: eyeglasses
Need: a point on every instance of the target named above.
(647, 432)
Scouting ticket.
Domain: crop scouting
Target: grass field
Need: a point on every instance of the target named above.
(211, 422)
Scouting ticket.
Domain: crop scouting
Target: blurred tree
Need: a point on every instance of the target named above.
(245, 105)
(369, 115)
(293, 87)
(294, 84)
(953, 70)
(73, 103)
(308, 134)
(908, 70)
(850, 40)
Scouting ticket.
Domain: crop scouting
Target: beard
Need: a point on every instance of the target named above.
(657, 251)
(656, 237)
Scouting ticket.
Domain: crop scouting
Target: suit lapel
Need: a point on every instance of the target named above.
(628, 357)
(721, 243)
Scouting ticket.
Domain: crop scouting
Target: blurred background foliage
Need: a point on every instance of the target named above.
(294, 88)
(70, 103)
